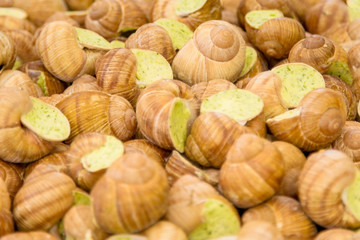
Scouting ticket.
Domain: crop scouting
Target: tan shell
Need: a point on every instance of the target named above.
(294, 161)
(6, 221)
(83, 83)
(322, 181)
(152, 37)
(344, 32)
(286, 214)
(177, 166)
(53, 99)
(36, 235)
(204, 90)
(217, 48)
(20, 80)
(211, 10)
(301, 7)
(12, 176)
(116, 202)
(62, 55)
(82, 145)
(19, 144)
(111, 17)
(147, 148)
(94, 111)
(79, 223)
(6, 3)
(186, 199)
(326, 14)
(24, 43)
(165, 230)
(276, 37)
(153, 110)
(62, 16)
(8, 54)
(145, 6)
(340, 86)
(211, 137)
(39, 10)
(337, 233)
(116, 74)
(259, 230)
(354, 64)
(14, 23)
(56, 161)
(252, 172)
(321, 116)
(43, 199)
(229, 10)
(78, 5)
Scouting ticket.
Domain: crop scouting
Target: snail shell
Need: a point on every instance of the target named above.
(35, 235)
(6, 220)
(337, 233)
(259, 230)
(8, 54)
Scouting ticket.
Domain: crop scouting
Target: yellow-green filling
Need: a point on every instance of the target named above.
(342, 71)
(250, 60)
(178, 32)
(151, 66)
(240, 105)
(257, 18)
(13, 12)
(117, 44)
(219, 220)
(297, 80)
(42, 84)
(179, 117)
(354, 9)
(104, 156)
(17, 63)
(91, 40)
(351, 196)
(81, 198)
(184, 7)
(126, 237)
(287, 114)
(46, 121)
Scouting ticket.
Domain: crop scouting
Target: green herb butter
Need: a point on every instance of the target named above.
(257, 18)
(179, 117)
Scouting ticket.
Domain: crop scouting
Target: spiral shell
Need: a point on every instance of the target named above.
(204, 90)
(83, 83)
(8, 54)
(20, 80)
(344, 32)
(259, 230)
(62, 55)
(116, 202)
(116, 74)
(164, 230)
(43, 199)
(315, 123)
(6, 221)
(110, 17)
(94, 111)
(218, 51)
(14, 23)
(354, 63)
(12, 176)
(55, 161)
(36, 235)
(252, 171)
(78, 5)
(337, 233)
(286, 214)
(24, 44)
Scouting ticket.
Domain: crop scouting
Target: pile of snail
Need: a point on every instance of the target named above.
(179, 119)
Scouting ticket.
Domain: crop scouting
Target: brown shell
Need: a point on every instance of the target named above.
(116, 74)
(8, 53)
(325, 14)
(36, 235)
(6, 3)
(14, 23)
(354, 64)
(211, 10)
(79, 223)
(186, 199)
(145, 6)
(94, 111)
(56, 161)
(117, 205)
(153, 110)
(62, 55)
(62, 16)
(286, 214)
(204, 90)
(82, 145)
(19, 144)
(340, 86)
(265, 85)
(322, 114)
(152, 37)
(12, 176)
(83, 83)
(24, 43)
(53, 99)
(165, 230)
(6, 221)
(276, 37)
(252, 172)
(217, 48)
(294, 160)
(39, 10)
(348, 142)
(301, 7)
(177, 166)
(111, 17)
(322, 181)
(78, 5)
(337, 233)
(211, 137)
(147, 148)
(20, 80)
(259, 230)
(43, 199)
(344, 32)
